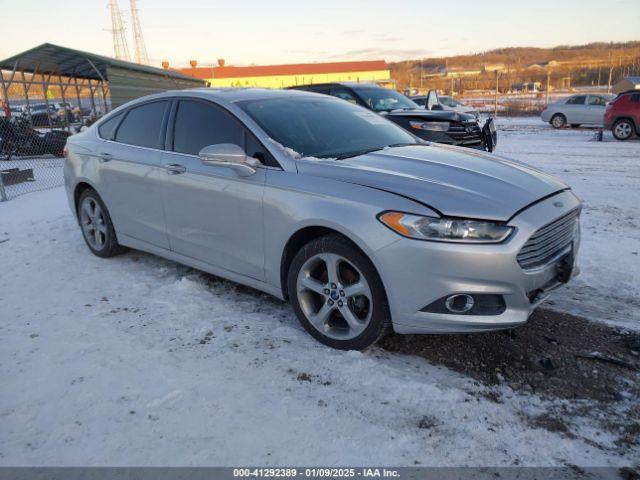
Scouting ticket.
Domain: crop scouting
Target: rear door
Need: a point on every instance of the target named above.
(596, 105)
(575, 109)
(213, 214)
(131, 172)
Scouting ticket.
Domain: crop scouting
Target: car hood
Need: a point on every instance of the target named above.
(447, 115)
(454, 181)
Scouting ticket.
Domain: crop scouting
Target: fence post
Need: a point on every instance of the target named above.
(3, 194)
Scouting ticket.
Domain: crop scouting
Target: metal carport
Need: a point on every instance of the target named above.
(110, 82)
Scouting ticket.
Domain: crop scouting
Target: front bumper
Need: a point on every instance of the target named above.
(417, 273)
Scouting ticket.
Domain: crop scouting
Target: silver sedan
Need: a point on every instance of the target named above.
(577, 110)
(362, 226)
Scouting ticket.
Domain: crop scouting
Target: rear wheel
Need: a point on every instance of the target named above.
(558, 120)
(622, 129)
(338, 295)
(96, 225)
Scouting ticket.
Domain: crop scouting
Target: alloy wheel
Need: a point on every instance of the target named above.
(622, 130)
(335, 296)
(94, 225)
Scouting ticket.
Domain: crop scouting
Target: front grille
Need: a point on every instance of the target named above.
(467, 133)
(549, 241)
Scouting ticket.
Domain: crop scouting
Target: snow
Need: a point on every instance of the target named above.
(139, 361)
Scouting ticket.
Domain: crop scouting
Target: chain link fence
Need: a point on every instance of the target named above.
(31, 158)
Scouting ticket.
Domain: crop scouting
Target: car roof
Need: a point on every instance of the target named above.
(352, 85)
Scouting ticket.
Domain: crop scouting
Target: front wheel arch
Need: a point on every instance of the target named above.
(299, 239)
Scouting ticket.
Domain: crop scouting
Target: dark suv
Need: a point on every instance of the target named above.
(434, 125)
(622, 115)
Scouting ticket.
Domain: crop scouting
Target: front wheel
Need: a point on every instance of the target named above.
(337, 294)
(622, 129)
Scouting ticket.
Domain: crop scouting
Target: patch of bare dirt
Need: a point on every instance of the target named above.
(556, 356)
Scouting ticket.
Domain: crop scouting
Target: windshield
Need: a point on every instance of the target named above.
(449, 102)
(324, 127)
(385, 100)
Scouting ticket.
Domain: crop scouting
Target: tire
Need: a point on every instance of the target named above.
(623, 129)
(348, 309)
(558, 120)
(92, 213)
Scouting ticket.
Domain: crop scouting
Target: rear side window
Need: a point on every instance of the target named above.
(577, 100)
(597, 101)
(198, 125)
(107, 129)
(344, 94)
(142, 125)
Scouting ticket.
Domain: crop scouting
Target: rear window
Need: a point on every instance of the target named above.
(107, 129)
(142, 125)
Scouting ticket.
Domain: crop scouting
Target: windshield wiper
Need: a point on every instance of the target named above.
(359, 152)
(376, 149)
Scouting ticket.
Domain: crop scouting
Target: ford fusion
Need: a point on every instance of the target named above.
(363, 227)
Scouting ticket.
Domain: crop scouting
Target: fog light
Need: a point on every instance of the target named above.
(468, 304)
(460, 303)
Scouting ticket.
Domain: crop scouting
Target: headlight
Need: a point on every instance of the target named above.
(433, 126)
(445, 229)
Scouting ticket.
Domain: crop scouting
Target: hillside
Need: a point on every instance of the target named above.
(569, 65)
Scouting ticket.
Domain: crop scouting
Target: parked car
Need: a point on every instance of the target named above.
(577, 110)
(42, 115)
(447, 103)
(434, 125)
(18, 138)
(622, 115)
(362, 226)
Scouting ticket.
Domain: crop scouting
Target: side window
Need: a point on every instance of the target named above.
(597, 101)
(198, 125)
(142, 125)
(635, 97)
(255, 149)
(577, 100)
(420, 101)
(344, 94)
(107, 129)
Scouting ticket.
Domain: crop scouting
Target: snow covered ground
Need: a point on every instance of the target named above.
(138, 361)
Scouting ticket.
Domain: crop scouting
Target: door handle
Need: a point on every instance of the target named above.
(105, 157)
(174, 168)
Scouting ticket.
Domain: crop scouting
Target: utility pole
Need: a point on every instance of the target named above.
(120, 47)
(139, 46)
(546, 99)
(495, 113)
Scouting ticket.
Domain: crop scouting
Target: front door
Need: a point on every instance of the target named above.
(131, 172)
(213, 214)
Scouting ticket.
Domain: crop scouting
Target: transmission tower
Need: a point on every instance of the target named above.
(120, 47)
(138, 39)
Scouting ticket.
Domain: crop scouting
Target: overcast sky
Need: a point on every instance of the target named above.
(285, 31)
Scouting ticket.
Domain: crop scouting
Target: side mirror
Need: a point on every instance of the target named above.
(231, 156)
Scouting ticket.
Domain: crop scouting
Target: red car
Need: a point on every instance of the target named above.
(622, 115)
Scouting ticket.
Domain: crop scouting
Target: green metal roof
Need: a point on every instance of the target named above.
(56, 60)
